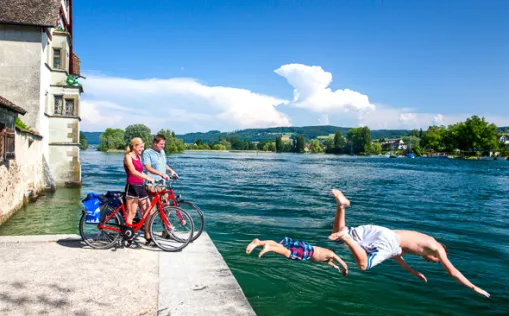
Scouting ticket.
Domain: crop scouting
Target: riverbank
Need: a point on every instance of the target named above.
(119, 281)
(202, 150)
(399, 155)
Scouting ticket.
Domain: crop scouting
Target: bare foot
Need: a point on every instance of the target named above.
(340, 198)
(255, 243)
(340, 235)
(264, 250)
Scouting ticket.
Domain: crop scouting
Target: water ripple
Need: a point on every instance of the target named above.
(464, 204)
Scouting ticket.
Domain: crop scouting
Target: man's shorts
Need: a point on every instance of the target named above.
(299, 250)
(135, 191)
(156, 188)
(380, 243)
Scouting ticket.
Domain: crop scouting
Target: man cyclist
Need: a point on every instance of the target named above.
(156, 166)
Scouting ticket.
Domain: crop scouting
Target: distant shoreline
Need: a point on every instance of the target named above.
(197, 151)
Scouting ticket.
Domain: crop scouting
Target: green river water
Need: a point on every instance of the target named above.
(464, 204)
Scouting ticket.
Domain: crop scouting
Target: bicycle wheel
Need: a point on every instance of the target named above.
(176, 237)
(100, 238)
(196, 215)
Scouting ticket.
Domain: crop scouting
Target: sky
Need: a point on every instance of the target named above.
(196, 65)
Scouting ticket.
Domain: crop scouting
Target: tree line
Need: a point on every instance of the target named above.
(116, 138)
(474, 134)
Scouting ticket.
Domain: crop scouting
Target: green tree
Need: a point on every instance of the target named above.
(315, 146)
(173, 144)
(373, 149)
(358, 138)
(477, 133)
(199, 142)
(279, 144)
(433, 138)
(225, 142)
(300, 144)
(138, 130)
(269, 146)
(412, 142)
(83, 141)
(452, 137)
(112, 138)
(287, 147)
(339, 142)
(417, 151)
(329, 145)
(219, 147)
(236, 143)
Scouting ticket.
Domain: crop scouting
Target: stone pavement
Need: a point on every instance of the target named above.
(59, 275)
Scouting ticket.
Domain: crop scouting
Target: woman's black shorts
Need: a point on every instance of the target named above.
(135, 191)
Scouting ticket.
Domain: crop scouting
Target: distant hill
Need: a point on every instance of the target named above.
(93, 137)
(261, 134)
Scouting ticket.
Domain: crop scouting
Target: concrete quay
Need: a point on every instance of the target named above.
(60, 275)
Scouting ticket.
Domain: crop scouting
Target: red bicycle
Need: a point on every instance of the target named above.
(173, 200)
(171, 228)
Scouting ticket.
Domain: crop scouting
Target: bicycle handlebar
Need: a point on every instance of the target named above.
(162, 181)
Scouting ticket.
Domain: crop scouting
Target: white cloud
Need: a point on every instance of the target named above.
(438, 120)
(171, 103)
(187, 105)
(393, 118)
(312, 92)
(92, 117)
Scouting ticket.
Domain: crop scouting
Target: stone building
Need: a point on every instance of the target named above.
(22, 174)
(39, 72)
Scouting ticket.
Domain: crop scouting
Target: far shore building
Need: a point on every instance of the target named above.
(393, 144)
(503, 139)
(39, 72)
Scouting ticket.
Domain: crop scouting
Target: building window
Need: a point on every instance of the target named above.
(7, 143)
(59, 104)
(57, 58)
(69, 107)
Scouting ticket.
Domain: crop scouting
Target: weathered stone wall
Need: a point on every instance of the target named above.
(64, 151)
(20, 69)
(23, 177)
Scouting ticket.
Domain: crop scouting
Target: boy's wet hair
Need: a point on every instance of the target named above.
(158, 138)
(445, 248)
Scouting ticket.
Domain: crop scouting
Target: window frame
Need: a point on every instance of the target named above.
(60, 55)
(7, 137)
(55, 112)
(65, 106)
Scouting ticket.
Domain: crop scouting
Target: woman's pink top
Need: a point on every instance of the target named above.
(131, 178)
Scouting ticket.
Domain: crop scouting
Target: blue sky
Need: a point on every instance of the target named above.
(235, 64)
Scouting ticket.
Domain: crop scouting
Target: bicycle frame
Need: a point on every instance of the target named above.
(136, 227)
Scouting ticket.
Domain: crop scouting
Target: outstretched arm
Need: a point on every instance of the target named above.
(456, 274)
(336, 258)
(404, 265)
(342, 263)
